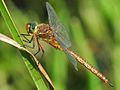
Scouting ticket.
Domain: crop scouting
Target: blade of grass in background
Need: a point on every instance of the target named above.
(111, 11)
(95, 22)
(41, 85)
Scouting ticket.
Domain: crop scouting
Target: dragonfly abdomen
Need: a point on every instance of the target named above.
(89, 67)
(54, 43)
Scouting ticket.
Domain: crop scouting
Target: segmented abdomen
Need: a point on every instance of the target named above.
(89, 67)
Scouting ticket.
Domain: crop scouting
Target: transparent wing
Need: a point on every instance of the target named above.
(59, 30)
(72, 59)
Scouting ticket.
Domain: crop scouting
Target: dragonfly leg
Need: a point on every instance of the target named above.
(23, 35)
(39, 48)
(31, 40)
(25, 38)
(28, 41)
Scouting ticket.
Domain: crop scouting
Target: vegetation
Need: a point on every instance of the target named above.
(94, 32)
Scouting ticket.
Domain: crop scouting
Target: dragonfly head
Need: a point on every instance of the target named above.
(31, 27)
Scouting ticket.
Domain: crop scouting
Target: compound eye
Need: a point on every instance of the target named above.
(32, 27)
(28, 27)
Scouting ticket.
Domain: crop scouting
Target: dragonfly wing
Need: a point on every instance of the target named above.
(72, 59)
(62, 36)
(53, 19)
(60, 32)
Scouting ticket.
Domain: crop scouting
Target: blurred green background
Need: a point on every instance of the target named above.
(94, 29)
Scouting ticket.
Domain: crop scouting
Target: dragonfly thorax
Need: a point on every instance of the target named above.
(45, 32)
(43, 29)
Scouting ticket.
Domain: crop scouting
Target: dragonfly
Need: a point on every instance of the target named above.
(56, 34)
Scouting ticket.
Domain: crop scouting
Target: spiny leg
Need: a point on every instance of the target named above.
(28, 41)
(33, 39)
(25, 38)
(39, 48)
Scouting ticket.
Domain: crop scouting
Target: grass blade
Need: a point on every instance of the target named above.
(40, 83)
